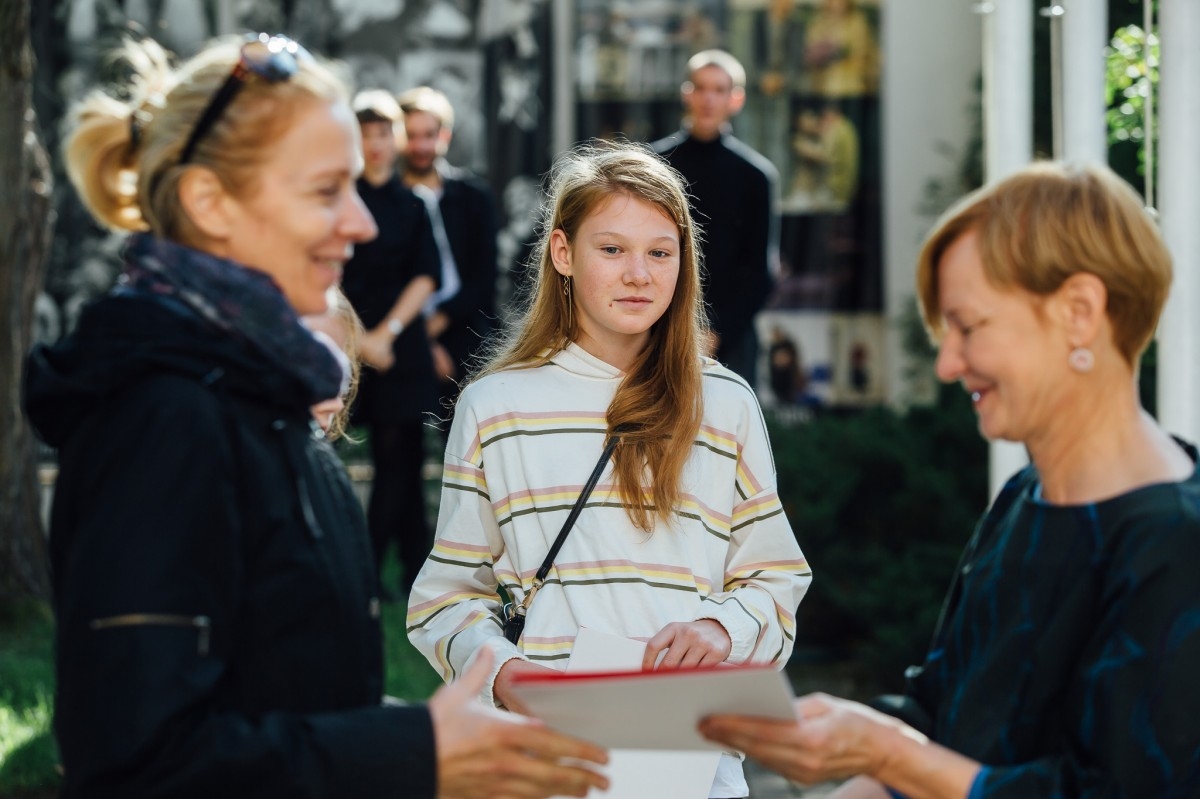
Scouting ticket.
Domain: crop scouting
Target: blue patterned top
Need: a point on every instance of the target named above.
(1067, 656)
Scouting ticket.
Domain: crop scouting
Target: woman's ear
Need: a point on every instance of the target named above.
(560, 251)
(207, 204)
(1083, 299)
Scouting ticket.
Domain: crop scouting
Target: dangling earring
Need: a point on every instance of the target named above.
(1081, 360)
(570, 305)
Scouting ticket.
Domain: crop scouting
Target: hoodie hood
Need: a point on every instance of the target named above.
(581, 363)
(124, 338)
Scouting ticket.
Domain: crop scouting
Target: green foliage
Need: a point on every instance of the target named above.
(407, 674)
(882, 502)
(28, 756)
(1131, 75)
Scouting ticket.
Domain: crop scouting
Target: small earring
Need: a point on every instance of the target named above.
(1081, 359)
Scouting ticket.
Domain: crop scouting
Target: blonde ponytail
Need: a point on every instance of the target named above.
(103, 146)
(123, 154)
(101, 163)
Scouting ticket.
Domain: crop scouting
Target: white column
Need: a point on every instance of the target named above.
(1084, 37)
(915, 119)
(563, 79)
(1007, 86)
(226, 18)
(1179, 152)
(1008, 138)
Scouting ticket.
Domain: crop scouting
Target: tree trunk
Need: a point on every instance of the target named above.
(25, 224)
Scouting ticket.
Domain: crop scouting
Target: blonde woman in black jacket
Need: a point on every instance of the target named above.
(218, 630)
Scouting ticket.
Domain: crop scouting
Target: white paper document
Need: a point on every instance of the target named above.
(648, 720)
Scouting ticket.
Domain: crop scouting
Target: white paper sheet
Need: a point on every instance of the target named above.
(651, 710)
(640, 773)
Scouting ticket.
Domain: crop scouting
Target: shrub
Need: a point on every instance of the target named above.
(882, 503)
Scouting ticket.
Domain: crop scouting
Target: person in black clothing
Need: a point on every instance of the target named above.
(461, 312)
(217, 626)
(733, 192)
(388, 281)
(1065, 658)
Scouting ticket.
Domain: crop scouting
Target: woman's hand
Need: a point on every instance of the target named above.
(504, 681)
(484, 753)
(829, 739)
(688, 644)
(375, 348)
(834, 738)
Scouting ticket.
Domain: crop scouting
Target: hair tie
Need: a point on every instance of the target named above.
(135, 131)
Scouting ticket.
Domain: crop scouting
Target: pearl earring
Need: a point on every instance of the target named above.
(1081, 359)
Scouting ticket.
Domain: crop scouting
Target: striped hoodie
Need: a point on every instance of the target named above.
(522, 443)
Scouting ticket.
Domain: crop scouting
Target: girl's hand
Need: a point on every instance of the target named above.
(504, 681)
(688, 645)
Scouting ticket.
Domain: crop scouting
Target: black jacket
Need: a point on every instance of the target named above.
(218, 633)
(732, 191)
(373, 280)
(469, 216)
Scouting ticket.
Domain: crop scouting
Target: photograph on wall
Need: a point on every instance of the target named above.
(796, 361)
(816, 360)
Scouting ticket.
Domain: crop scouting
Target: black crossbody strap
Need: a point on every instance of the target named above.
(514, 614)
(588, 487)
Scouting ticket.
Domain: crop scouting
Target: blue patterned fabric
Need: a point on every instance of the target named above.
(1068, 652)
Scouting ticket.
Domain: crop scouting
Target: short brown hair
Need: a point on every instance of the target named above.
(1049, 221)
(429, 101)
(375, 105)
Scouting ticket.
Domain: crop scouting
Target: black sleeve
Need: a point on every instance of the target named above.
(147, 542)
(760, 246)
(423, 255)
(477, 264)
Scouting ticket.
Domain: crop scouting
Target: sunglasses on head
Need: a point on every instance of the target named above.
(272, 58)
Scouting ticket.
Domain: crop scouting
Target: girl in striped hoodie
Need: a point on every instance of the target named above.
(683, 543)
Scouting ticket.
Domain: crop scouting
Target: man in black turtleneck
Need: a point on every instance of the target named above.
(733, 192)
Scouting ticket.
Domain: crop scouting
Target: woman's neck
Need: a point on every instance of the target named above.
(1109, 447)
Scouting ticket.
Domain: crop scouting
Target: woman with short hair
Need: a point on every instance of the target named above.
(1065, 660)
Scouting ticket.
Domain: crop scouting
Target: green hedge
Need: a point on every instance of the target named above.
(882, 503)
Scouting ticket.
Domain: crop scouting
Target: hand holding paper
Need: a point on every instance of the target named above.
(688, 645)
(483, 752)
(654, 709)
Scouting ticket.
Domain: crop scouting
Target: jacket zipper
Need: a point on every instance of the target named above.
(203, 624)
